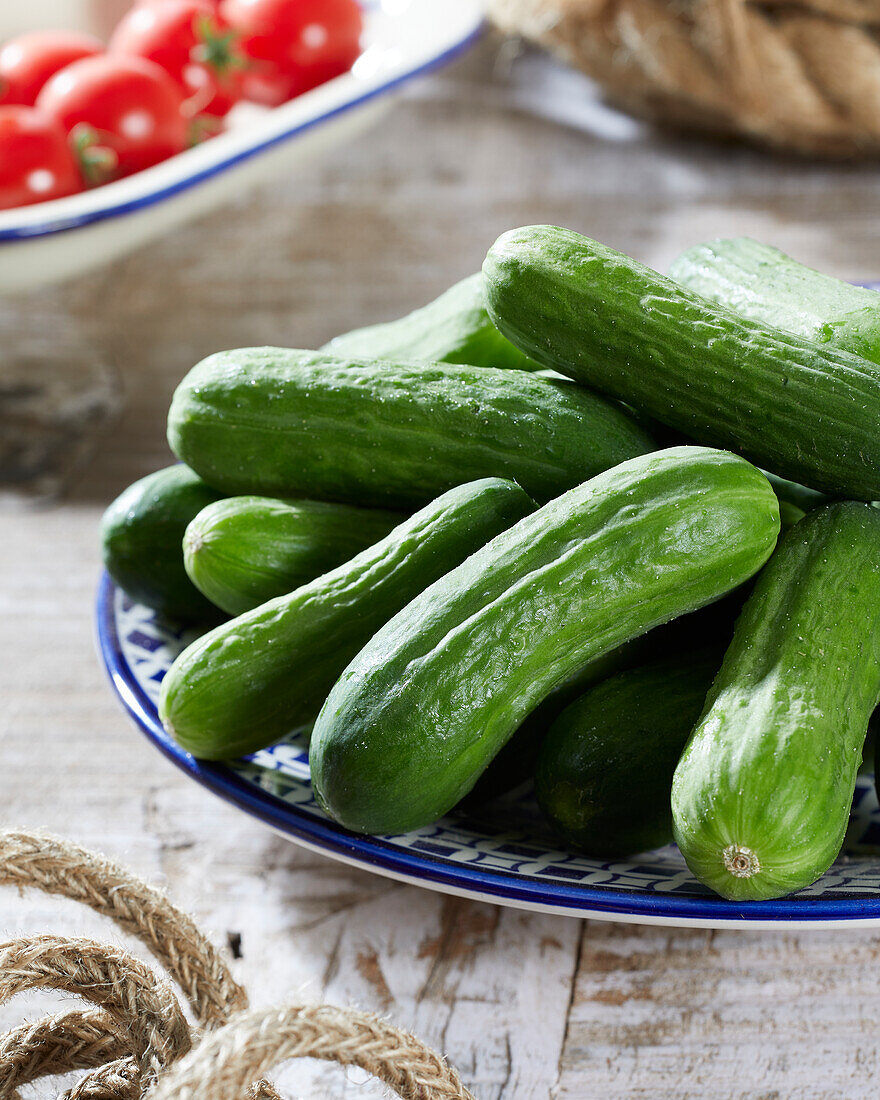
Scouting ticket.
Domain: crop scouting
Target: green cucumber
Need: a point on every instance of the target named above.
(298, 423)
(417, 716)
(806, 412)
(242, 551)
(797, 499)
(605, 768)
(516, 762)
(762, 794)
(141, 535)
(789, 514)
(710, 629)
(251, 681)
(764, 284)
(871, 753)
(454, 328)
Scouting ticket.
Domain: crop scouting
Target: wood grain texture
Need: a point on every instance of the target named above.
(527, 1006)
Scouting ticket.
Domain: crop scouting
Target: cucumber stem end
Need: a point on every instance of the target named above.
(740, 861)
(194, 542)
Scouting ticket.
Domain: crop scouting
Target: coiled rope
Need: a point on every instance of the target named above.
(134, 1041)
(797, 74)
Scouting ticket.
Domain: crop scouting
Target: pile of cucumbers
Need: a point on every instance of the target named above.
(531, 532)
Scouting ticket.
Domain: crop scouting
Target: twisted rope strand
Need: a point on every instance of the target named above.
(58, 1044)
(798, 74)
(113, 979)
(118, 1080)
(136, 1039)
(58, 867)
(255, 1041)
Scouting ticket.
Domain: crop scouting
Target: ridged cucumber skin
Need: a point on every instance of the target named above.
(516, 762)
(141, 536)
(286, 423)
(254, 679)
(430, 701)
(762, 794)
(454, 328)
(708, 629)
(805, 412)
(765, 285)
(604, 771)
(242, 551)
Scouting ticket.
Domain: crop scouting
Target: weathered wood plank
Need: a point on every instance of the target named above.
(56, 398)
(682, 1014)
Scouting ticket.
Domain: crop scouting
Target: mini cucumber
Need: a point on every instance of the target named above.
(141, 535)
(516, 762)
(803, 411)
(762, 795)
(708, 629)
(251, 681)
(605, 768)
(764, 284)
(242, 551)
(799, 498)
(455, 328)
(295, 423)
(433, 697)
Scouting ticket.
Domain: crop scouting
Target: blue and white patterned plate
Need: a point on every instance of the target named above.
(504, 855)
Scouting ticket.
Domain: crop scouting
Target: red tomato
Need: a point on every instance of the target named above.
(193, 44)
(124, 113)
(36, 163)
(27, 62)
(294, 44)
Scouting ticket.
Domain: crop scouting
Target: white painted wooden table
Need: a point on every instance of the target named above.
(526, 1006)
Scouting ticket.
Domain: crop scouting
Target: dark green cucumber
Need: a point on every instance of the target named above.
(708, 629)
(516, 762)
(799, 497)
(605, 768)
(789, 514)
(417, 716)
(253, 680)
(242, 551)
(454, 328)
(806, 412)
(764, 284)
(141, 535)
(300, 423)
(762, 795)
(871, 752)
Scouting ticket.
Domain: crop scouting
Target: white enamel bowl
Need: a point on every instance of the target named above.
(56, 240)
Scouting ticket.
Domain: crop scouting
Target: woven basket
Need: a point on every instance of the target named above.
(802, 75)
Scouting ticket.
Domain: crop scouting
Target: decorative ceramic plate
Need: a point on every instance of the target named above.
(505, 854)
(55, 240)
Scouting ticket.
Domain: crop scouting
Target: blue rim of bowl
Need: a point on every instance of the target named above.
(142, 202)
(375, 852)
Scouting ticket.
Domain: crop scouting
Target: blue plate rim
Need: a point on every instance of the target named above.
(141, 202)
(377, 853)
